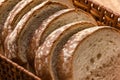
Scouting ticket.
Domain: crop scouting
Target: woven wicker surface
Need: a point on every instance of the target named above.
(12, 71)
(102, 14)
(114, 5)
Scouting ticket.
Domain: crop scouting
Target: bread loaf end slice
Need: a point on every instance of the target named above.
(91, 54)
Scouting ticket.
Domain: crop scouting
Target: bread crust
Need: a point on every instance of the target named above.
(12, 45)
(65, 58)
(35, 41)
(16, 14)
(45, 51)
(45, 28)
(5, 7)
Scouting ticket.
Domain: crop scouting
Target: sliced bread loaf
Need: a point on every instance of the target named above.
(55, 21)
(17, 42)
(91, 54)
(16, 14)
(53, 43)
(18, 11)
(37, 37)
(5, 7)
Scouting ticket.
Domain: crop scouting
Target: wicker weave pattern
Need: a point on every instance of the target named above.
(104, 16)
(12, 71)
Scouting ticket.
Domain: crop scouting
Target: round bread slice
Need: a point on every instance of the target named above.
(55, 21)
(17, 42)
(53, 43)
(5, 7)
(91, 54)
(16, 14)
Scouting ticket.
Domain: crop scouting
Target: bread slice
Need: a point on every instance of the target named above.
(19, 10)
(69, 3)
(91, 54)
(36, 39)
(5, 7)
(54, 42)
(55, 21)
(16, 14)
(17, 42)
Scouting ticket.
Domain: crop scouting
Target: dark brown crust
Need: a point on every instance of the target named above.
(44, 52)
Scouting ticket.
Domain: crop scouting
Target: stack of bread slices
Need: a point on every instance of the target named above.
(56, 41)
